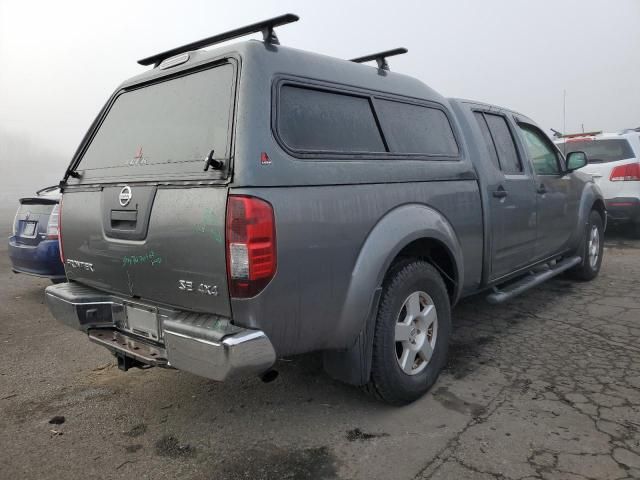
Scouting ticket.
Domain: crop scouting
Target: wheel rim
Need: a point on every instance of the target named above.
(416, 333)
(593, 246)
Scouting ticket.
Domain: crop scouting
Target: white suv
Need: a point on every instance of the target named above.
(614, 163)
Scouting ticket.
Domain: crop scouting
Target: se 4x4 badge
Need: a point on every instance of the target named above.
(203, 288)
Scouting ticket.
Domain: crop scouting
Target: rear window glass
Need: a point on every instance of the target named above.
(318, 120)
(164, 128)
(599, 151)
(416, 129)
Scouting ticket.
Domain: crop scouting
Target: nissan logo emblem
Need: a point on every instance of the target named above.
(125, 195)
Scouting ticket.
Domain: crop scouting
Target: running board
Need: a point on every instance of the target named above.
(534, 278)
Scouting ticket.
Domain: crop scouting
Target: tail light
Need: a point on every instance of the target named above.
(623, 173)
(251, 245)
(59, 207)
(53, 227)
(14, 231)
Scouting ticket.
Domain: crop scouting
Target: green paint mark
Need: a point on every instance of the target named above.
(148, 258)
(209, 226)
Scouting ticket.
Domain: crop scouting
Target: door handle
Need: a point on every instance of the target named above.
(541, 189)
(124, 219)
(500, 192)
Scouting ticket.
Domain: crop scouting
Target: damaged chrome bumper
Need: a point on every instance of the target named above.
(205, 345)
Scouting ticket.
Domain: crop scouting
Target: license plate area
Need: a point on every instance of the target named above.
(29, 229)
(142, 320)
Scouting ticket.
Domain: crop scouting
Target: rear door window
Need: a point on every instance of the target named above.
(488, 140)
(503, 141)
(164, 129)
(416, 129)
(319, 120)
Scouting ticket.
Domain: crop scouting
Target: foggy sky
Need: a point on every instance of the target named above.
(59, 61)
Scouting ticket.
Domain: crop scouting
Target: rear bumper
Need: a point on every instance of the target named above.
(42, 260)
(623, 209)
(205, 345)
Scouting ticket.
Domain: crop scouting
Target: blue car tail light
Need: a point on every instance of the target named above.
(53, 227)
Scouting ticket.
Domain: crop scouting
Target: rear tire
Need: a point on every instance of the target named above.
(591, 250)
(412, 333)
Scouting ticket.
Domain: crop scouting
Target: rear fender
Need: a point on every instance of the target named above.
(397, 229)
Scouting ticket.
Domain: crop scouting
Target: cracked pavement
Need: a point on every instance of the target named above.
(544, 387)
(567, 362)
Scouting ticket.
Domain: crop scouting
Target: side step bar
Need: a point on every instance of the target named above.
(510, 290)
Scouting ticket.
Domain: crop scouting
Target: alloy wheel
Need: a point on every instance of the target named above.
(416, 332)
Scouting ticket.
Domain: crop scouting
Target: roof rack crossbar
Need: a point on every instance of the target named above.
(265, 26)
(381, 58)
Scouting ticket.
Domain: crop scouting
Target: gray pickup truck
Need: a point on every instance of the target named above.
(248, 202)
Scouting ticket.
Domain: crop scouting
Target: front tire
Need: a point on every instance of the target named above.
(412, 333)
(592, 250)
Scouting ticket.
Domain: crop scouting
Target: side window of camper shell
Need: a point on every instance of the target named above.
(315, 120)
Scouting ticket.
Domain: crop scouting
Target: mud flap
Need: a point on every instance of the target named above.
(353, 365)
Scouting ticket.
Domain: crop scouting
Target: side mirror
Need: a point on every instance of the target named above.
(576, 160)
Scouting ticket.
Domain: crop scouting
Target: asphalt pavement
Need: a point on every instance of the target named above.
(544, 387)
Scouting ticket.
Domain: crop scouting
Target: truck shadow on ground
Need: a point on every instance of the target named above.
(272, 421)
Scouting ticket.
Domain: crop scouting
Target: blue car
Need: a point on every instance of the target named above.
(33, 245)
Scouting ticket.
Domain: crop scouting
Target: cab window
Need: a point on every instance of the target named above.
(499, 142)
(503, 140)
(541, 151)
(488, 140)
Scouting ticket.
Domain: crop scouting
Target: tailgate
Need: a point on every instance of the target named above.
(145, 217)
(166, 245)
